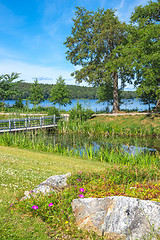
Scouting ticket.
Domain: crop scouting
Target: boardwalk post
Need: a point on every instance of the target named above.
(40, 121)
(26, 123)
(54, 120)
(10, 125)
(29, 121)
(14, 123)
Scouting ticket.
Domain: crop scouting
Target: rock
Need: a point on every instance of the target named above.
(53, 183)
(118, 217)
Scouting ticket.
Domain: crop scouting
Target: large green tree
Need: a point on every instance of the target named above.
(142, 51)
(7, 85)
(59, 93)
(92, 45)
(36, 94)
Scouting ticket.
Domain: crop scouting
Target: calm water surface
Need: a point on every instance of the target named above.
(129, 104)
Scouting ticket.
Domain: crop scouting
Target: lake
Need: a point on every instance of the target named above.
(129, 104)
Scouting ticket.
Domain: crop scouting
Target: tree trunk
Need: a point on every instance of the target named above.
(158, 104)
(115, 93)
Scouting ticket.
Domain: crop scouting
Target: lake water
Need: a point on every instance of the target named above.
(129, 104)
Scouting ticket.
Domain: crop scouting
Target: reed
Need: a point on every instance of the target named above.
(41, 141)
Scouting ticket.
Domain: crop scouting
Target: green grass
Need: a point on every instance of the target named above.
(136, 125)
(22, 170)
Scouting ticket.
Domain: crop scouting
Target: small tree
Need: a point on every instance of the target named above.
(105, 93)
(147, 94)
(59, 93)
(36, 95)
(7, 86)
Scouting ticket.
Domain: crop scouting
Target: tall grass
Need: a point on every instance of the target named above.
(99, 128)
(41, 141)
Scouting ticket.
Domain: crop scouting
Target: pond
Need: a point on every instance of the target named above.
(129, 145)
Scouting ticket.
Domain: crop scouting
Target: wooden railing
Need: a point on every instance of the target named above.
(20, 124)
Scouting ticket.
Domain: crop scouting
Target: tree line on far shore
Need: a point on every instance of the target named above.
(76, 92)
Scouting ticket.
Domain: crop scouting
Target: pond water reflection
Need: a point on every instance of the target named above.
(130, 145)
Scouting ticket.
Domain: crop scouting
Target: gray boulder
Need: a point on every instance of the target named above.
(54, 183)
(118, 217)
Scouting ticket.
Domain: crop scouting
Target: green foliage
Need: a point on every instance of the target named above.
(18, 104)
(147, 94)
(7, 85)
(76, 92)
(142, 51)
(59, 93)
(36, 95)
(105, 92)
(53, 111)
(80, 113)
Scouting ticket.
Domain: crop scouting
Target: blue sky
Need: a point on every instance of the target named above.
(32, 33)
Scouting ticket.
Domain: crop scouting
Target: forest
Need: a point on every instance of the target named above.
(76, 92)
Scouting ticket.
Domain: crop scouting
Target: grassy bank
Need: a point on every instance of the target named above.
(137, 125)
(22, 170)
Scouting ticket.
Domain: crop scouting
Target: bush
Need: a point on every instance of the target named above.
(53, 111)
(80, 113)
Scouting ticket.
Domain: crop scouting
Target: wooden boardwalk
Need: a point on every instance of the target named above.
(24, 124)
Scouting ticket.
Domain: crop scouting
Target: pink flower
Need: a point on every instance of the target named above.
(80, 172)
(81, 189)
(51, 204)
(81, 195)
(11, 205)
(35, 207)
(78, 179)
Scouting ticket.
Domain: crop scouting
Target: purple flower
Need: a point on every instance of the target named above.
(35, 207)
(81, 189)
(81, 195)
(11, 205)
(78, 179)
(51, 204)
(80, 172)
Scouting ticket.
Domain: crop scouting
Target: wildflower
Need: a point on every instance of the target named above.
(80, 172)
(51, 204)
(35, 207)
(78, 179)
(11, 205)
(66, 222)
(81, 189)
(81, 195)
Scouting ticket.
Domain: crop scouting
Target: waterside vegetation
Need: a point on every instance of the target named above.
(51, 217)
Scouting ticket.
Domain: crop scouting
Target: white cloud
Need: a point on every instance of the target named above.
(29, 72)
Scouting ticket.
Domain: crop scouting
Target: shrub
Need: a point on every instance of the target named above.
(80, 113)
